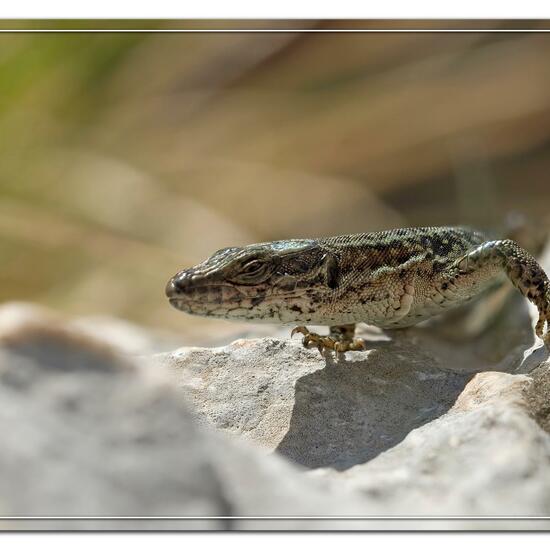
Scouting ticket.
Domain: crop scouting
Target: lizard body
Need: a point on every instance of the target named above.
(390, 279)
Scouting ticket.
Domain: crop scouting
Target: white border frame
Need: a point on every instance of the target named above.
(405, 518)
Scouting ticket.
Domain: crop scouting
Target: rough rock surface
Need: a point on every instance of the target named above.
(419, 425)
(315, 411)
(414, 437)
(321, 411)
(486, 456)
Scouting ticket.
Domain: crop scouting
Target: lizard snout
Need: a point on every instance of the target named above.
(178, 284)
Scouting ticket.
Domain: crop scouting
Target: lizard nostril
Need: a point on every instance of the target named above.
(170, 289)
(177, 284)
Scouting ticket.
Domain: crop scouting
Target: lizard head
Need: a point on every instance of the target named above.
(279, 282)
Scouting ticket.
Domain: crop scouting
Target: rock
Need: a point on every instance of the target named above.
(85, 432)
(486, 456)
(128, 338)
(321, 412)
(538, 395)
(417, 425)
(313, 410)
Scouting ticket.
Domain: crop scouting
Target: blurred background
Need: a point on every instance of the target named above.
(127, 157)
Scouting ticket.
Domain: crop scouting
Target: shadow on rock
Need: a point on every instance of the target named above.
(352, 410)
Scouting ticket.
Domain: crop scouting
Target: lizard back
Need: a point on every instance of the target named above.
(390, 278)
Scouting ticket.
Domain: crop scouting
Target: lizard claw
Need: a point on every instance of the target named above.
(301, 330)
(324, 343)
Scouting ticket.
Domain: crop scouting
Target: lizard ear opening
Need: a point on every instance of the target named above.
(331, 270)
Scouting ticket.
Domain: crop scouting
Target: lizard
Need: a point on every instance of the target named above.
(390, 279)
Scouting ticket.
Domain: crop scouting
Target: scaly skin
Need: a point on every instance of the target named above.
(390, 279)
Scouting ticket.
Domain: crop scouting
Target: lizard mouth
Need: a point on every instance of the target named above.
(185, 303)
(208, 299)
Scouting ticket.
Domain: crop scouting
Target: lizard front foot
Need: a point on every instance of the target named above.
(328, 342)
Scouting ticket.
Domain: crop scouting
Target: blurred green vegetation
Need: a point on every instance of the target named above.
(126, 157)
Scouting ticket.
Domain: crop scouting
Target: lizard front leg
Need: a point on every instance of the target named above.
(521, 268)
(340, 339)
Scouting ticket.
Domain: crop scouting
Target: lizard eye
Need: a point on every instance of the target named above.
(252, 271)
(252, 268)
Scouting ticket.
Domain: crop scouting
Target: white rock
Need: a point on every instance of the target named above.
(405, 423)
(317, 411)
(485, 457)
(406, 428)
(87, 433)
